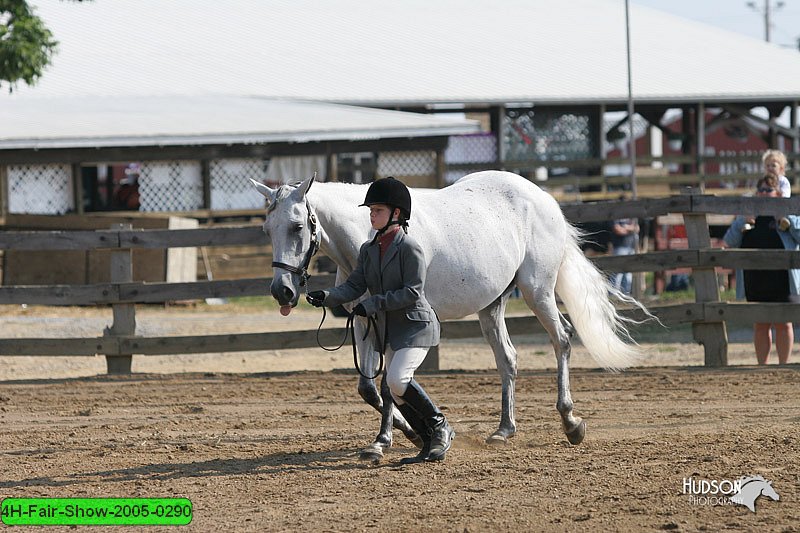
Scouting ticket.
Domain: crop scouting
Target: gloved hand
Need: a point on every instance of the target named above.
(784, 224)
(316, 298)
(360, 310)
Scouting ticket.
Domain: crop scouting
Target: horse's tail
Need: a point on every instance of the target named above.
(586, 293)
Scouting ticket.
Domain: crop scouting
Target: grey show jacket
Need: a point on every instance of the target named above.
(396, 287)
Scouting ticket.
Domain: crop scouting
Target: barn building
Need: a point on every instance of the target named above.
(537, 87)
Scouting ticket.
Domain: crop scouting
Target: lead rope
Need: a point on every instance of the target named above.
(350, 328)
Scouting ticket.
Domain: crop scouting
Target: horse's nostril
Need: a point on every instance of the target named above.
(282, 293)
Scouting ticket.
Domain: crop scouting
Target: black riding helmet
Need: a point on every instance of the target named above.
(391, 192)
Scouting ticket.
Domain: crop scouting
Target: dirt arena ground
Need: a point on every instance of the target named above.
(258, 444)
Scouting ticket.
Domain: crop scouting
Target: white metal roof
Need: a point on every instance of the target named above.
(180, 120)
(389, 51)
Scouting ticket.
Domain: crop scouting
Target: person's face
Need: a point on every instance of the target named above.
(773, 167)
(379, 215)
(766, 191)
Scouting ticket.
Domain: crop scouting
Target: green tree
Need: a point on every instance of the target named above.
(26, 45)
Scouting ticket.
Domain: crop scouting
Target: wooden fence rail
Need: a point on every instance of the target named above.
(120, 341)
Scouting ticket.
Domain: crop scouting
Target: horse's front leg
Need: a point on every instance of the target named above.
(382, 443)
(390, 416)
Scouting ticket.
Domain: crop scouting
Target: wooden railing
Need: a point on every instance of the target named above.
(708, 315)
(651, 182)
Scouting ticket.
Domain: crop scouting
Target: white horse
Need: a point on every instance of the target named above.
(482, 236)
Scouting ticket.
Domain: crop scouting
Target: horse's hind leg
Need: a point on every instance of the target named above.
(494, 331)
(543, 303)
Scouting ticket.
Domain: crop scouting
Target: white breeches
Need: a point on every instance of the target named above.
(400, 368)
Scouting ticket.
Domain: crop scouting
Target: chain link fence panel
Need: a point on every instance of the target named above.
(171, 186)
(230, 183)
(415, 168)
(40, 189)
(476, 151)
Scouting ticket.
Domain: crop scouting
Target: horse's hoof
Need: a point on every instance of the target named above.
(497, 439)
(578, 432)
(372, 453)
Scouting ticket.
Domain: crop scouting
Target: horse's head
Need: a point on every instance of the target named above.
(751, 487)
(768, 490)
(291, 225)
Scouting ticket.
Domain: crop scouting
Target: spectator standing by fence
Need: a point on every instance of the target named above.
(767, 232)
(774, 162)
(624, 239)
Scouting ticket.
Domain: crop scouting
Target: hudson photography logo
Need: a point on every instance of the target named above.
(743, 491)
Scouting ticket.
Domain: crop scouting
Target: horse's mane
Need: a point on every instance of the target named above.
(285, 190)
(749, 479)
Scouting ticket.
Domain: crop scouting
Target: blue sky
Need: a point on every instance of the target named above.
(735, 15)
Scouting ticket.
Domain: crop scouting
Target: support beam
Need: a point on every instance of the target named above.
(686, 142)
(440, 170)
(770, 123)
(701, 140)
(77, 187)
(602, 144)
(3, 192)
(331, 166)
(205, 175)
(499, 124)
(793, 121)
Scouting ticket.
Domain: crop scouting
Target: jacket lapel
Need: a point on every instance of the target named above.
(392, 251)
(374, 253)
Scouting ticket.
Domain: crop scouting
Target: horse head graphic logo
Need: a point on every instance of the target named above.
(751, 488)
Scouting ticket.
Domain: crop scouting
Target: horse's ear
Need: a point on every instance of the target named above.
(268, 193)
(306, 185)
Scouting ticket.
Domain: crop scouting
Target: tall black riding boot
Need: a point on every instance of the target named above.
(415, 421)
(439, 431)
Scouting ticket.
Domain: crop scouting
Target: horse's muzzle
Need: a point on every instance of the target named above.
(282, 291)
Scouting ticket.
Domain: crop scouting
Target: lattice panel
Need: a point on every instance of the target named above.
(478, 148)
(418, 163)
(171, 186)
(547, 135)
(40, 189)
(230, 186)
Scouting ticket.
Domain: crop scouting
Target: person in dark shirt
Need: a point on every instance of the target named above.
(767, 232)
(624, 239)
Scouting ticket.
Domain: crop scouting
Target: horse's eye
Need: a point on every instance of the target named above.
(298, 227)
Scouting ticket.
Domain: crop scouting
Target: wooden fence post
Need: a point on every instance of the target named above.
(431, 362)
(712, 335)
(124, 314)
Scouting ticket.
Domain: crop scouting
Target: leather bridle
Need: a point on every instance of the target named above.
(302, 270)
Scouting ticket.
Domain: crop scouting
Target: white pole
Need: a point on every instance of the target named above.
(632, 138)
(766, 21)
